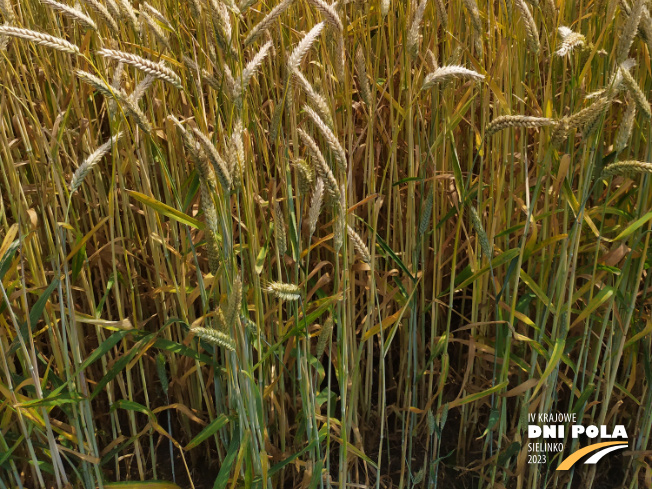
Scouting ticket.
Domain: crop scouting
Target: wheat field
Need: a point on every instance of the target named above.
(249, 244)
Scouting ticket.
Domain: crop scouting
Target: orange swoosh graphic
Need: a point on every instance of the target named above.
(574, 457)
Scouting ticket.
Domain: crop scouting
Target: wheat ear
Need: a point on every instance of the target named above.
(141, 88)
(645, 28)
(154, 28)
(479, 229)
(446, 73)
(629, 31)
(195, 9)
(301, 49)
(129, 106)
(214, 337)
(97, 83)
(9, 17)
(330, 14)
(211, 230)
(569, 41)
(636, 92)
(286, 292)
(361, 67)
(531, 32)
(616, 81)
(90, 162)
(157, 15)
(506, 121)
(39, 38)
(474, 13)
(324, 337)
(626, 168)
(322, 168)
(231, 85)
(426, 213)
(220, 319)
(237, 154)
(317, 100)
(128, 13)
(431, 60)
(279, 230)
(267, 21)
(329, 136)
(158, 70)
(71, 12)
(190, 143)
(202, 73)
(219, 165)
(413, 33)
(235, 300)
(7, 11)
(625, 128)
(315, 206)
(251, 68)
(102, 12)
(332, 18)
(584, 120)
(441, 13)
(339, 224)
(358, 244)
(223, 20)
(222, 23)
(112, 6)
(306, 175)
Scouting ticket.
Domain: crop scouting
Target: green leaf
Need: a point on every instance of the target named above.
(457, 169)
(166, 210)
(223, 476)
(553, 363)
(109, 286)
(407, 180)
(110, 455)
(180, 349)
(600, 298)
(5, 456)
(54, 400)
(392, 255)
(35, 314)
(5, 262)
(494, 416)
(476, 396)
(634, 226)
(191, 192)
(119, 366)
(512, 450)
(36, 311)
(538, 291)
(131, 406)
(292, 458)
(215, 425)
(104, 347)
(586, 393)
(639, 336)
(316, 475)
(78, 262)
(467, 277)
(260, 259)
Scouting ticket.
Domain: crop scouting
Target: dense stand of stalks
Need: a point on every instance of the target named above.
(303, 244)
